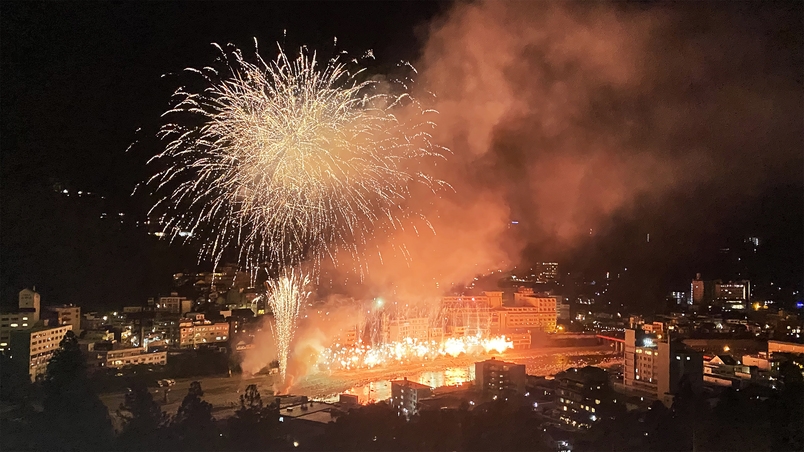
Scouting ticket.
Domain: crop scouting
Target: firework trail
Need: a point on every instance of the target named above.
(289, 160)
(286, 297)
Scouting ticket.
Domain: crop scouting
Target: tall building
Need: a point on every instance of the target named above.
(531, 311)
(166, 329)
(406, 394)
(562, 309)
(24, 318)
(581, 394)
(546, 271)
(465, 315)
(347, 337)
(697, 290)
(497, 377)
(174, 304)
(30, 299)
(495, 299)
(733, 295)
(33, 348)
(657, 365)
(401, 328)
(66, 315)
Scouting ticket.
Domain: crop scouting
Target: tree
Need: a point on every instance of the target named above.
(75, 417)
(501, 425)
(254, 425)
(738, 422)
(142, 419)
(787, 409)
(16, 387)
(372, 427)
(193, 427)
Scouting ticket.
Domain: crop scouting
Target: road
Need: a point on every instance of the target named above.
(224, 392)
(221, 392)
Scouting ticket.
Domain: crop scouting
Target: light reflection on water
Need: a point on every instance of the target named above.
(454, 376)
(381, 390)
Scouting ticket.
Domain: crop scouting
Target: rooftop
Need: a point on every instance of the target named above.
(410, 384)
(493, 360)
(584, 374)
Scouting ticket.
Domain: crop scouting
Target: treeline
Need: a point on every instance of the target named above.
(72, 417)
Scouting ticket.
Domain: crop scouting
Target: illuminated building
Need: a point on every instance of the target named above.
(348, 337)
(117, 359)
(562, 310)
(725, 370)
(406, 394)
(92, 321)
(65, 315)
(698, 290)
(24, 318)
(195, 330)
(761, 361)
(495, 299)
(398, 329)
(495, 377)
(243, 325)
(580, 395)
(97, 336)
(466, 315)
(785, 347)
(167, 325)
(513, 317)
(734, 295)
(521, 340)
(546, 271)
(174, 304)
(33, 348)
(656, 365)
(531, 311)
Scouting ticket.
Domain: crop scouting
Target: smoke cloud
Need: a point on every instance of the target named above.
(562, 116)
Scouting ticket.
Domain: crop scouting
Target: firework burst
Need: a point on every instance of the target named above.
(289, 160)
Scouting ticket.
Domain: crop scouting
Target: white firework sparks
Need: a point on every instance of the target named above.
(286, 296)
(289, 161)
(365, 356)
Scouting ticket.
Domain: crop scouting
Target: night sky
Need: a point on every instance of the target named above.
(79, 80)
